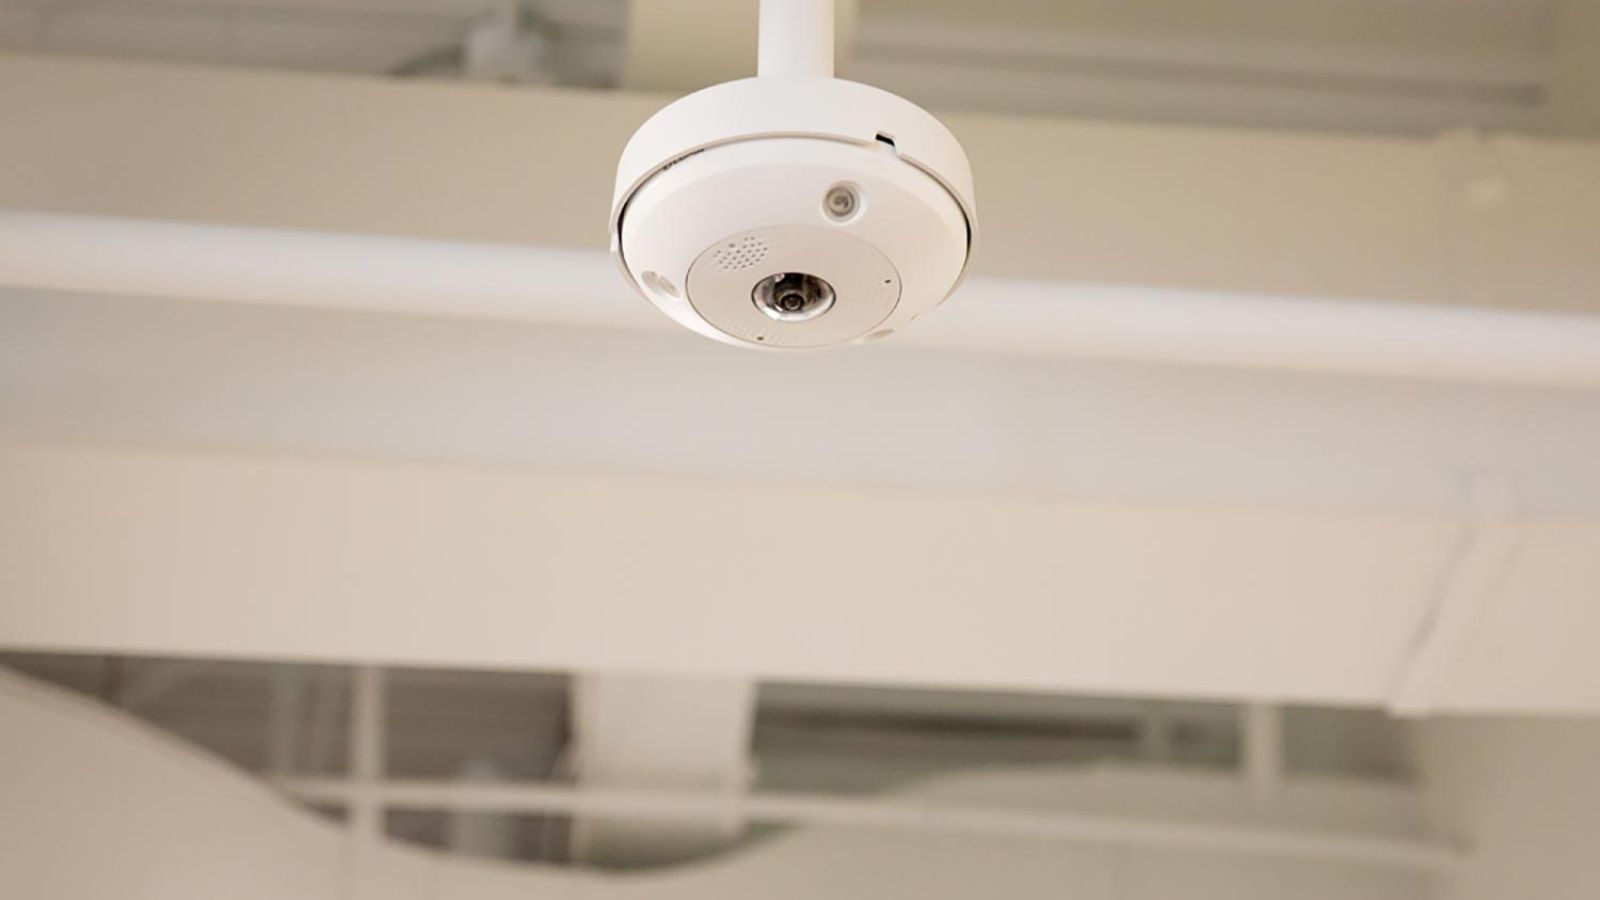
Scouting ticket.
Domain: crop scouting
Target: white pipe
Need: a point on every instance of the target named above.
(280, 267)
(848, 811)
(582, 287)
(796, 38)
(366, 753)
(487, 835)
(1261, 730)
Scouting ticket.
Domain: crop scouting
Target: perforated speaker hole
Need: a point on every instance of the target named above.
(741, 254)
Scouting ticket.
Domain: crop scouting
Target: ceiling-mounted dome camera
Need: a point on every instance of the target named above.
(793, 210)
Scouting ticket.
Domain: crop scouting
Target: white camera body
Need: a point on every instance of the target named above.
(793, 212)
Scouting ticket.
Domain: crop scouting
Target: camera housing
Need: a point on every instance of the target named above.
(793, 212)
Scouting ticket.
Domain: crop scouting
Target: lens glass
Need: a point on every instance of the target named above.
(792, 296)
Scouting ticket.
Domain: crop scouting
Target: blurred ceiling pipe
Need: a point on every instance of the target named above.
(128, 257)
(1261, 737)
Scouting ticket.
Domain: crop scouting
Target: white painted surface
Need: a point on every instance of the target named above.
(892, 432)
(1524, 653)
(1078, 471)
(242, 378)
(232, 555)
(263, 557)
(1472, 579)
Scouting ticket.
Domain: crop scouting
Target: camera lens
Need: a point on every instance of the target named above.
(793, 296)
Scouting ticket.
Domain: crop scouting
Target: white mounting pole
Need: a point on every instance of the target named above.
(1262, 727)
(366, 753)
(796, 38)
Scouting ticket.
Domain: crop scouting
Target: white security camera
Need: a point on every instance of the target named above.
(793, 210)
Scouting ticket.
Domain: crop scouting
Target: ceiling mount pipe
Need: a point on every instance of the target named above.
(796, 39)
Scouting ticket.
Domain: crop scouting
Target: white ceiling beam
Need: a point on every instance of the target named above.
(119, 370)
(454, 566)
(1483, 553)
(281, 558)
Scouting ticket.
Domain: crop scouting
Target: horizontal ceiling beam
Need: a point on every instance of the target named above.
(285, 558)
(297, 559)
(140, 371)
